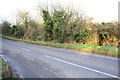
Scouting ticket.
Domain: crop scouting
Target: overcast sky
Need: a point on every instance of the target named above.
(100, 10)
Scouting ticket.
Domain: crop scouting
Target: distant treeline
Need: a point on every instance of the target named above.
(63, 26)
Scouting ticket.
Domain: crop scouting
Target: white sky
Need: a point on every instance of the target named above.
(100, 10)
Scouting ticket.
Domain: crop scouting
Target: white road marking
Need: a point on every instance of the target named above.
(1, 55)
(14, 67)
(19, 74)
(4, 58)
(93, 70)
(25, 49)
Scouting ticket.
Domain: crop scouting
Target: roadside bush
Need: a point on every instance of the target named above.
(6, 28)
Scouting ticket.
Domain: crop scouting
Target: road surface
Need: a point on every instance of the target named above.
(34, 61)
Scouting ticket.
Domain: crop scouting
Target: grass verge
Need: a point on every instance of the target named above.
(102, 50)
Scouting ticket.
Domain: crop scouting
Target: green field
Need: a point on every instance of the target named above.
(102, 50)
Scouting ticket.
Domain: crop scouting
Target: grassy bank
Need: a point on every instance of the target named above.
(6, 71)
(102, 50)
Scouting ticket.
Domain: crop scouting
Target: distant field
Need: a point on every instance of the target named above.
(102, 50)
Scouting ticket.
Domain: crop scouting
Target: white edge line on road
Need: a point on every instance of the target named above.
(93, 70)
(4, 58)
(10, 65)
(19, 74)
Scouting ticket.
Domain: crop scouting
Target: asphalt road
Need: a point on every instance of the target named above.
(34, 61)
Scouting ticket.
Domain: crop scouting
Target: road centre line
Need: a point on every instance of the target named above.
(93, 70)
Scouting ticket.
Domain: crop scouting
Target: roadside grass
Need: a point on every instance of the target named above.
(6, 72)
(102, 50)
